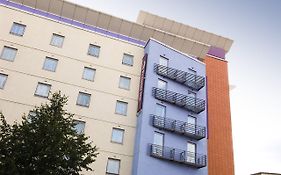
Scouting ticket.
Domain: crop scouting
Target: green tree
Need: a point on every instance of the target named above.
(45, 143)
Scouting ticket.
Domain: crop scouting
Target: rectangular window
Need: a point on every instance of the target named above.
(89, 74)
(121, 108)
(94, 50)
(31, 116)
(192, 101)
(83, 99)
(113, 166)
(191, 152)
(17, 29)
(57, 40)
(191, 120)
(190, 126)
(43, 90)
(117, 135)
(162, 84)
(79, 126)
(124, 82)
(160, 110)
(50, 64)
(9, 53)
(161, 113)
(163, 61)
(3, 79)
(158, 141)
(128, 59)
(192, 76)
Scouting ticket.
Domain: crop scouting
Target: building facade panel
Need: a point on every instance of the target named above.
(97, 120)
(220, 151)
(76, 41)
(26, 71)
(105, 67)
(96, 109)
(145, 129)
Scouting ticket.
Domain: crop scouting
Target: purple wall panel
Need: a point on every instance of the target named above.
(143, 163)
(216, 51)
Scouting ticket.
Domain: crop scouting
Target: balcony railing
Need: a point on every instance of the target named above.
(180, 127)
(192, 81)
(192, 104)
(172, 154)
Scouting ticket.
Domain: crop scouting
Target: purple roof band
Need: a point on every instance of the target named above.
(72, 22)
(217, 52)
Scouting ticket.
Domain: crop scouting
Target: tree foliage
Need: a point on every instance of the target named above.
(45, 143)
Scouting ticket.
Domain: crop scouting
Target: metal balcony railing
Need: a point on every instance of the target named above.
(180, 156)
(180, 127)
(192, 81)
(192, 104)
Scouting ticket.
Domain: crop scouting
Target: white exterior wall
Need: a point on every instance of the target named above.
(26, 71)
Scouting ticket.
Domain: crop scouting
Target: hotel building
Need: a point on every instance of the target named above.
(153, 95)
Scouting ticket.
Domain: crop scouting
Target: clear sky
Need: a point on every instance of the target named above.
(254, 66)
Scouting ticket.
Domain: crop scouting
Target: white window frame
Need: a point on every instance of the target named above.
(158, 106)
(5, 78)
(193, 95)
(9, 48)
(190, 126)
(191, 156)
(115, 172)
(125, 62)
(161, 120)
(114, 130)
(85, 94)
(45, 85)
(156, 134)
(163, 83)
(54, 67)
(15, 29)
(166, 60)
(122, 84)
(85, 77)
(96, 49)
(158, 149)
(77, 122)
(57, 44)
(124, 103)
(30, 115)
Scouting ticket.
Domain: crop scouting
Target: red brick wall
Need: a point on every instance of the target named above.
(220, 149)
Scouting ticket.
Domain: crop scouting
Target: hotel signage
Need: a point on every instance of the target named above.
(142, 81)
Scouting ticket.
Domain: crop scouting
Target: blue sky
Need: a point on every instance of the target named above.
(254, 66)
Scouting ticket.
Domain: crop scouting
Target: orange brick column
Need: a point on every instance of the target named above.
(220, 149)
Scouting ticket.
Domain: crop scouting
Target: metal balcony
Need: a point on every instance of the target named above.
(180, 127)
(192, 104)
(192, 81)
(180, 156)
